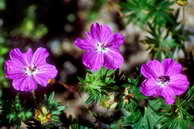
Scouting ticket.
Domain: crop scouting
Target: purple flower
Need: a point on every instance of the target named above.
(29, 69)
(163, 79)
(101, 48)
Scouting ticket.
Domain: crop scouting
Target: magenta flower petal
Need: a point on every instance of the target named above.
(171, 67)
(28, 56)
(21, 58)
(102, 48)
(168, 95)
(24, 84)
(84, 44)
(27, 70)
(95, 31)
(163, 79)
(93, 60)
(106, 34)
(152, 69)
(149, 88)
(117, 41)
(101, 33)
(113, 59)
(39, 56)
(16, 66)
(14, 69)
(16, 54)
(45, 73)
(179, 83)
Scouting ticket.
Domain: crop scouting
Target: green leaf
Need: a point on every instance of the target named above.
(97, 84)
(78, 126)
(155, 104)
(148, 121)
(177, 123)
(141, 12)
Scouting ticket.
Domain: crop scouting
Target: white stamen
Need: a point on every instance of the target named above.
(162, 81)
(31, 70)
(161, 84)
(101, 48)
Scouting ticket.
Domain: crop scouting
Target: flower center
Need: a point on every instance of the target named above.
(163, 80)
(100, 47)
(31, 70)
